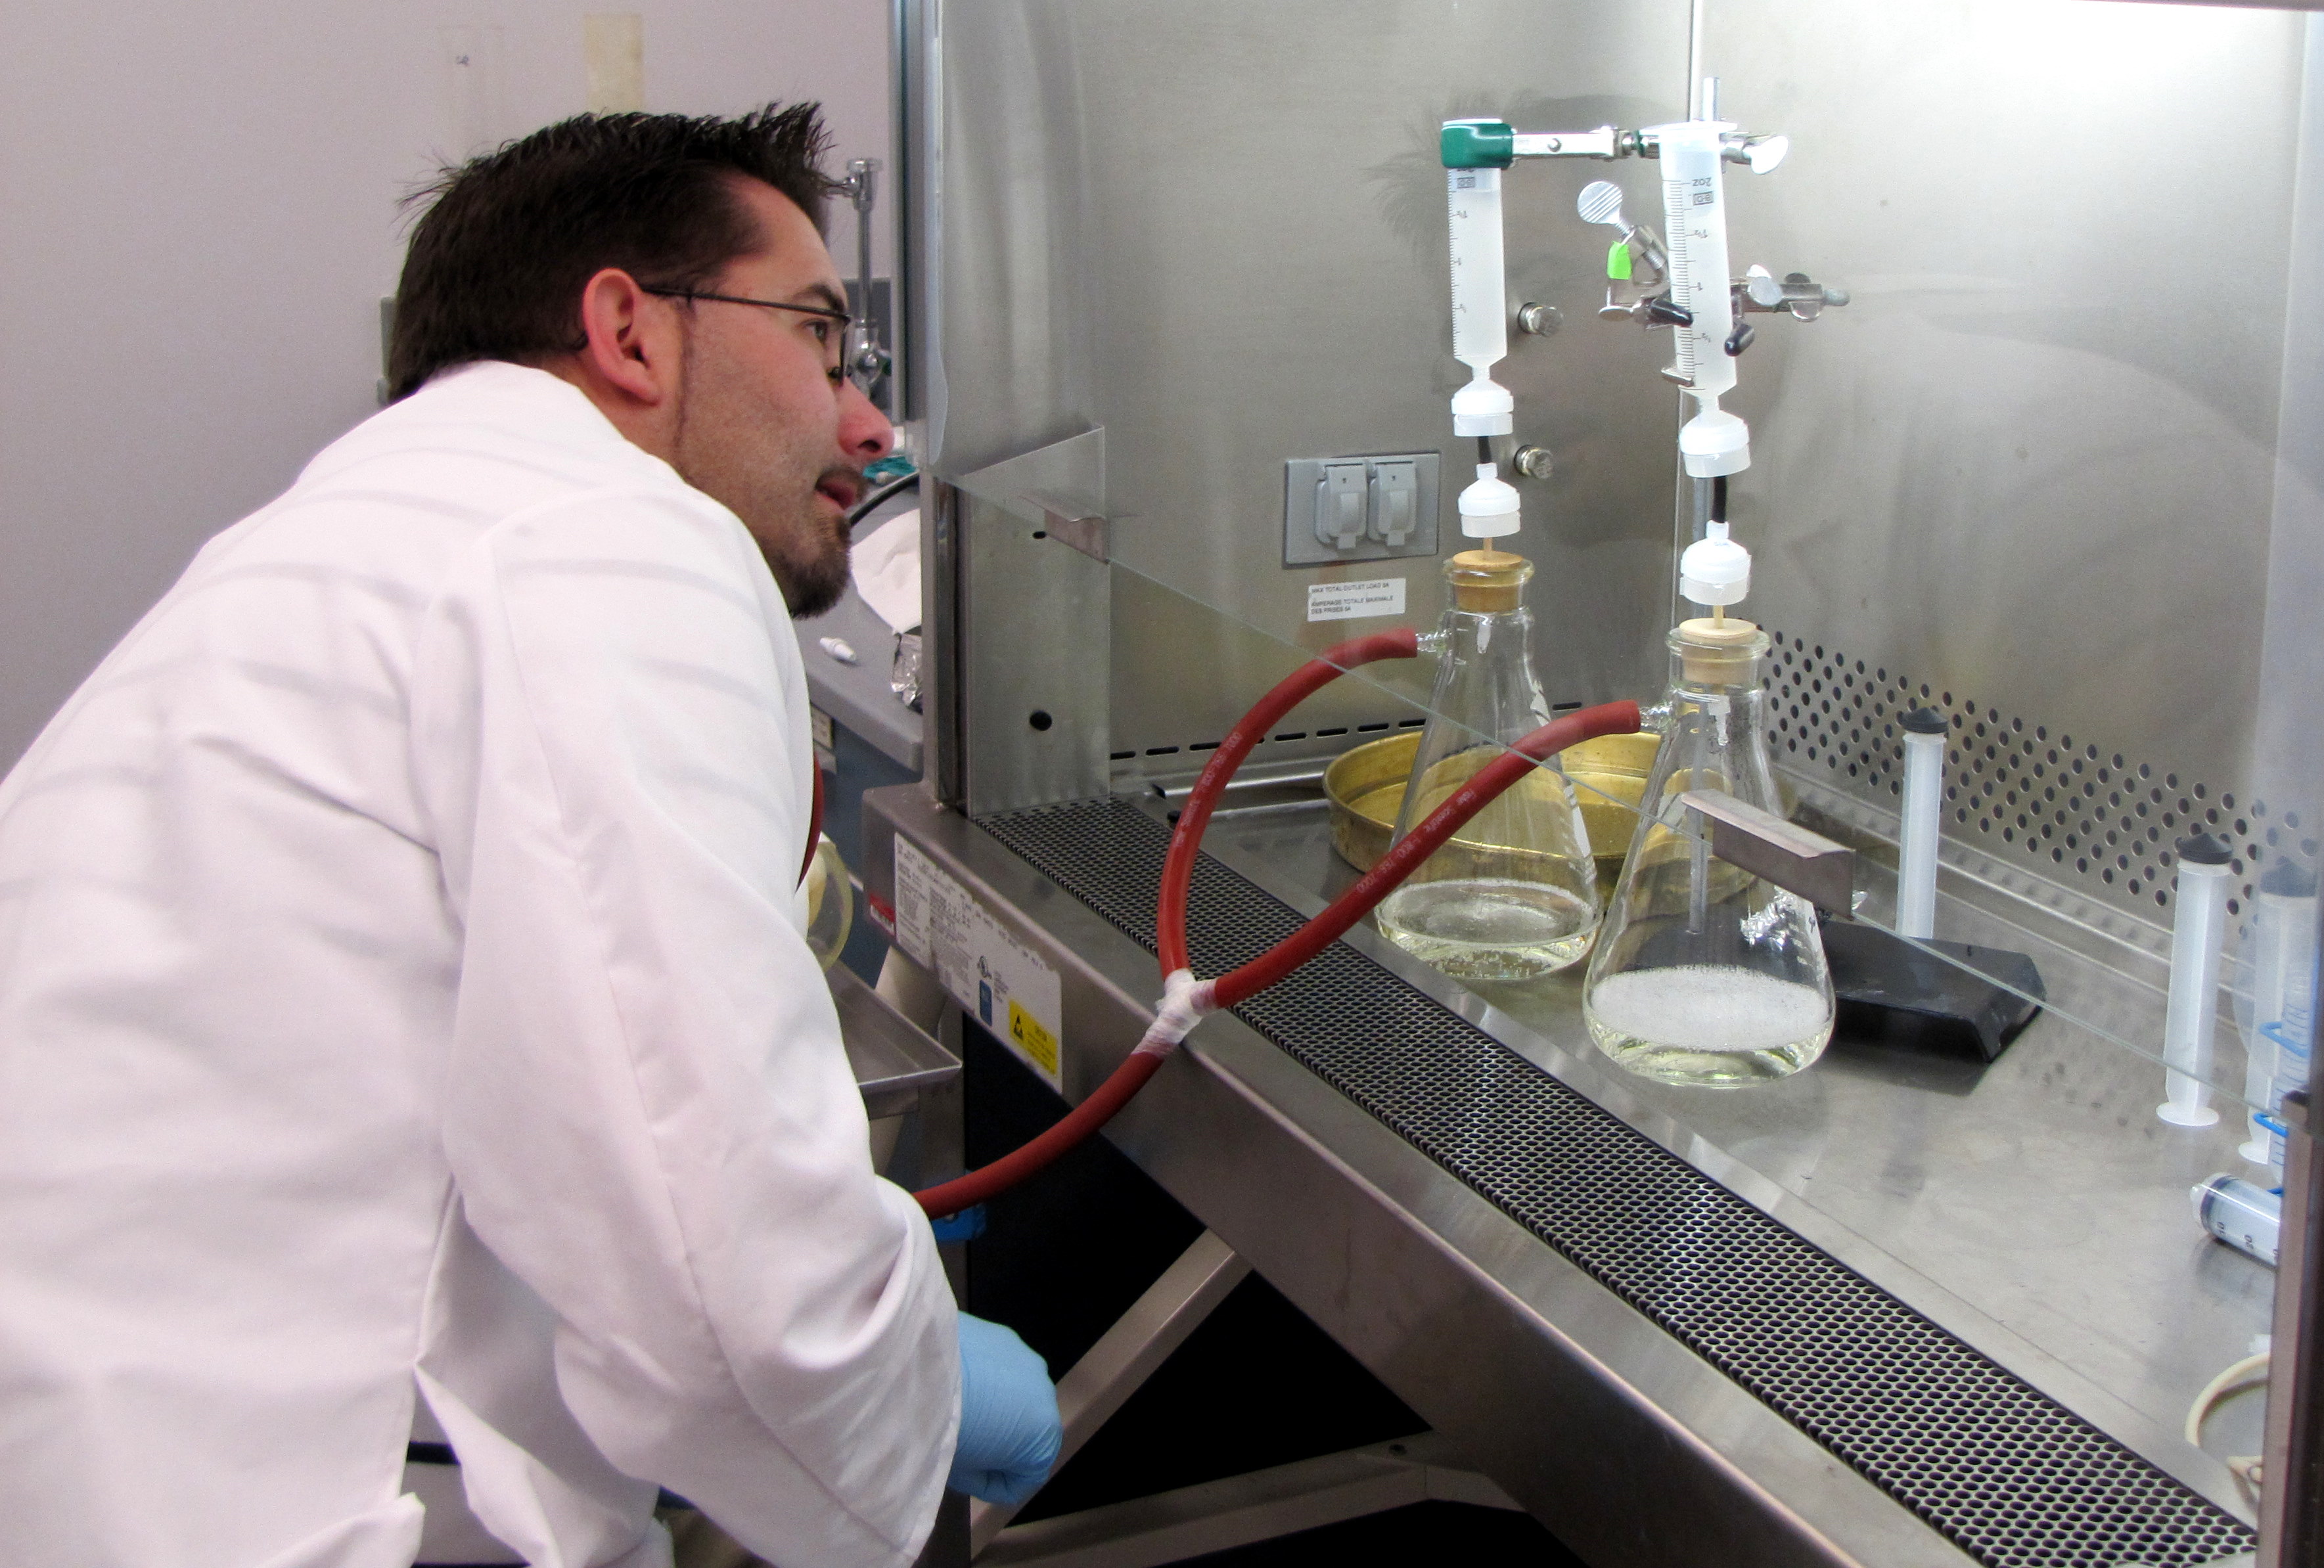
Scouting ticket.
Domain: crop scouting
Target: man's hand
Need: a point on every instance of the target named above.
(1008, 1427)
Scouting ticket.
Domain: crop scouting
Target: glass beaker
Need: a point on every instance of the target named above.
(1706, 974)
(1514, 894)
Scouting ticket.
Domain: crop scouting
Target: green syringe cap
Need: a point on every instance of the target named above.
(1478, 145)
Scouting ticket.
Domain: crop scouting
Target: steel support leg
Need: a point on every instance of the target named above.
(1156, 1324)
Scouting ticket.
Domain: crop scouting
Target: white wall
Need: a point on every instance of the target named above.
(199, 217)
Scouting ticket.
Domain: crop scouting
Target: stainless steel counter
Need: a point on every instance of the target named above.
(2035, 1207)
(1564, 1377)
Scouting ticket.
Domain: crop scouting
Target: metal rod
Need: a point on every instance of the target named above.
(865, 173)
(1698, 872)
(944, 704)
(1253, 778)
(1697, 23)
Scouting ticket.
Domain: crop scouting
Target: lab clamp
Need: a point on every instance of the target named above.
(1679, 280)
(1637, 280)
(1648, 282)
(867, 359)
(1750, 927)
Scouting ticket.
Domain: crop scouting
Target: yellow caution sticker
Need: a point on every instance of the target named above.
(1033, 1038)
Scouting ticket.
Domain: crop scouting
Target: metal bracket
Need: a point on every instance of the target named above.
(1157, 1323)
(1092, 536)
(894, 1060)
(1790, 856)
(1798, 295)
(1759, 152)
(1242, 1509)
(1064, 478)
(1605, 142)
(1059, 489)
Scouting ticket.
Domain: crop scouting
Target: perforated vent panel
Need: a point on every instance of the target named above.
(2013, 1479)
(2073, 810)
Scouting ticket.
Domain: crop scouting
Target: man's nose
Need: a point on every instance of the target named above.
(865, 435)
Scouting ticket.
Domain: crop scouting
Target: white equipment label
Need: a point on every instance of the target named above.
(1002, 984)
(1347, 601)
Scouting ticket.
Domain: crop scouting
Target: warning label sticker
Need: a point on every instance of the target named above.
(1002, 984)
(1347, 601)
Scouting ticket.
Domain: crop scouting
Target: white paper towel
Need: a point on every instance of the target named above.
(886, 566)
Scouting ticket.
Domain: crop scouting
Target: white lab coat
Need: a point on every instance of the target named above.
(401, 983)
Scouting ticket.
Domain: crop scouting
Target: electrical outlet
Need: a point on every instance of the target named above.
(1363, 508)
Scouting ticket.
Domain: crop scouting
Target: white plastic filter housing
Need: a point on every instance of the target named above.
(1480, 326)
(1916, 852)
(1714, 570)
(1483, 408)
(2198, 927)
(1489, 508)
(1714, 442)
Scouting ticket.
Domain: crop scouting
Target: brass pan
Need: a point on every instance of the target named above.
(1365, 786)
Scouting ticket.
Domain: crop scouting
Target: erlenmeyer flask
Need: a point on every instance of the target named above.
(1705, 973)
(1515, 893)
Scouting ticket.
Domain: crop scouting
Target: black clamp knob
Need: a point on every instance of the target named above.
(1662, 310)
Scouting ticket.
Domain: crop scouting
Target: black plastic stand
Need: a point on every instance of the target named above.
(1894, 992)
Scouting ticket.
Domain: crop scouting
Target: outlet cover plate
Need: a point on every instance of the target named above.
(1301, 475)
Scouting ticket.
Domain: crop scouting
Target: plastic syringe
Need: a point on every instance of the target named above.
(1923, 804)
(1694, 213)
(2283, 965)
(1481, 327)
(1475, 152)
(2199, 912)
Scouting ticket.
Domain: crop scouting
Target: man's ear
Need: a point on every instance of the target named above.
(635, 341)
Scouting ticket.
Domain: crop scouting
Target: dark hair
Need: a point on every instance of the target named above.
(499, 258)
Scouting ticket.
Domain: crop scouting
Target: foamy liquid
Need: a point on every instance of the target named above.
(1707, 1024)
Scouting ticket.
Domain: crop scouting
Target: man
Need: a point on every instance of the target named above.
(402, 995)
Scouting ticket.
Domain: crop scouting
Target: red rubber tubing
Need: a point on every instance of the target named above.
(991, 1181)
(1177, 875)
(1187, 843)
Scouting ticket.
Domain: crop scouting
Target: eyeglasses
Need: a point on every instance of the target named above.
(841, 317)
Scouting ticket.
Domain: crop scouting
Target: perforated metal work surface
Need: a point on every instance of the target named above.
(2010, 1476)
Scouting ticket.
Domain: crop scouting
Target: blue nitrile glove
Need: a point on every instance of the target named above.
(1008, 1427)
